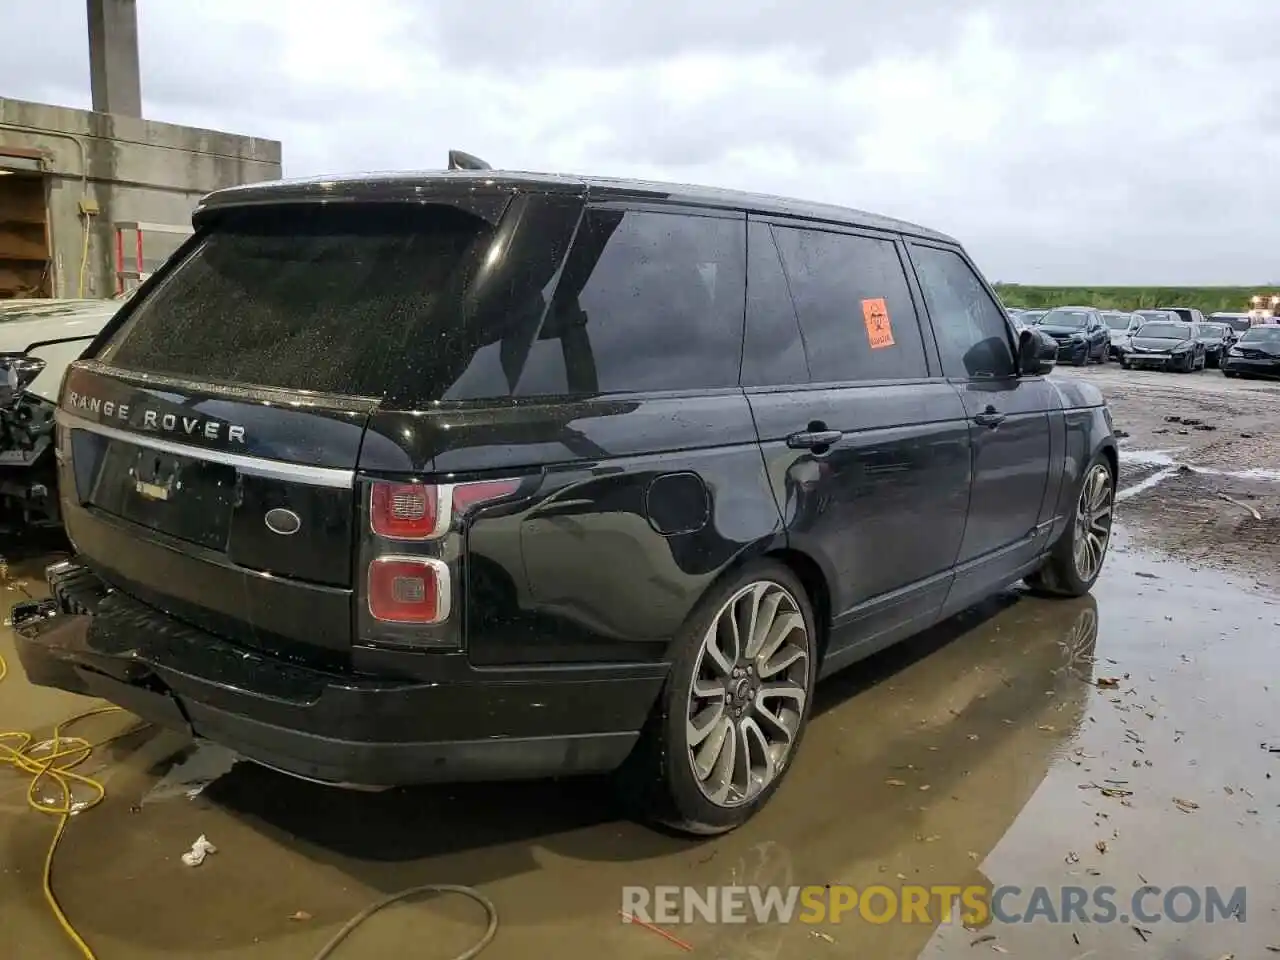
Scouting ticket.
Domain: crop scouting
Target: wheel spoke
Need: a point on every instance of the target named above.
(720, 777)
(760, 766)
(782, 627)
(721, 645)
(775, 723)
(704, 722)
(710, 751)
(785, 658)
(762, 624)
(1101, 493)
(784, 690)
(709, 688)
(1095, 552)
(747, 628)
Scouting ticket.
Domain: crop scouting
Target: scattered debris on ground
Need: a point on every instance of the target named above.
(1209, 450)
(199, 850)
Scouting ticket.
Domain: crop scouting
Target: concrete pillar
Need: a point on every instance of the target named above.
(113, 57)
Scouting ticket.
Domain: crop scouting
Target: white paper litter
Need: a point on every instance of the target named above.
(199, 850)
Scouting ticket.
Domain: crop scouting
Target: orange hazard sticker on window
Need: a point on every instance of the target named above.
(876, 316)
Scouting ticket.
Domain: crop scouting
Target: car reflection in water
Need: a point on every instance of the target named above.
(978, 709)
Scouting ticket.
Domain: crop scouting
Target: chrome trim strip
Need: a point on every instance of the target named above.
(255, 466)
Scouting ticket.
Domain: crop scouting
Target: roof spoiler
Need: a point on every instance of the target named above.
(458, 160)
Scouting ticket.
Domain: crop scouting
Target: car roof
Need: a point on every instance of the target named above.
(411, 186)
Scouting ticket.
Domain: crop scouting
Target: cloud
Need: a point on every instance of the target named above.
(1091, 142)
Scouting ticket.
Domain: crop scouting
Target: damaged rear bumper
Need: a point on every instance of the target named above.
(335, 728)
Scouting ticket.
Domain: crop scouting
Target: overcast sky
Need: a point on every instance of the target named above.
(1089, 142)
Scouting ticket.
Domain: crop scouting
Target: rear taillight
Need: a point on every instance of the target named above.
(419, 511)
(403, 511)
(409, 590)
(410, 555)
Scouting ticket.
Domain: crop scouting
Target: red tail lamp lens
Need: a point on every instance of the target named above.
(404, 511)
(467, 495)
(416, 511)
(408, 590)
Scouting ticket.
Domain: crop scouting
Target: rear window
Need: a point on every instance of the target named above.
(1066, 318)
(1262, 334)
(1166, 331)
(316, 299)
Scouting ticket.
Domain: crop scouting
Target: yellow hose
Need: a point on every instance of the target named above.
(55, 763)
(62, 753)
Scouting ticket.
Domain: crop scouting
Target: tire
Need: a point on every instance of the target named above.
(1082, 360)
(1228, 373)
(1061, 575)
(1125, 364)
(658, 781)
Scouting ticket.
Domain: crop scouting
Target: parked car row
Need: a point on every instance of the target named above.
(1166, 338)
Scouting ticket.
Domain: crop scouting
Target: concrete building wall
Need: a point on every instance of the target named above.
(132, 169)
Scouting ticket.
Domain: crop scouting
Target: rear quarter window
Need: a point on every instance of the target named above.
(647, 302)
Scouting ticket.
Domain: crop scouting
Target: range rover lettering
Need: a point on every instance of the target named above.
(481, 475)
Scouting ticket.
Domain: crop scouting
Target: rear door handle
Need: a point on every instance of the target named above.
(989, 418)
(814, 439)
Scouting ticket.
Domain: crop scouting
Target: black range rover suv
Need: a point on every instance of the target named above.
(476, 475)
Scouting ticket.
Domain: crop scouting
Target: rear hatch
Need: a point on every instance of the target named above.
(209, 445)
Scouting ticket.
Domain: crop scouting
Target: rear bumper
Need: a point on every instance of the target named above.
(495, 725)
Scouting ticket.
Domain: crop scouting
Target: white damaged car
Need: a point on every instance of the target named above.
(38, 339)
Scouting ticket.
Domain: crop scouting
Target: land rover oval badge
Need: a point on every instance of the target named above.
(282, 521)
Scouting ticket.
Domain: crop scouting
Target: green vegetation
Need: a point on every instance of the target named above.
(1207, 299)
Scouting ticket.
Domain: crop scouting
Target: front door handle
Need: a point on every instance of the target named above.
(814, 439)
(990, 417)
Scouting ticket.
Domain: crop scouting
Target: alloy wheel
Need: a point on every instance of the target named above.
(1093, 522)
(750, 687)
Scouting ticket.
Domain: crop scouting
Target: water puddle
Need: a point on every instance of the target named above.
(1170, 465)
(1143, 485)
(204, 764)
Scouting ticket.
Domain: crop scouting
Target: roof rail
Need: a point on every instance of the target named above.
(458, 160)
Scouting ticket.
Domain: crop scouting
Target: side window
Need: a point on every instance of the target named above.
(773, 351)
(972, 333)
(856, 314)
(647, 301)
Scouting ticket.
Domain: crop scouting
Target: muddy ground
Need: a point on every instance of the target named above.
(1208, 449)
(974, 754)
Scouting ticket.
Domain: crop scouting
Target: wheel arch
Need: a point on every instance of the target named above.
(804, 566)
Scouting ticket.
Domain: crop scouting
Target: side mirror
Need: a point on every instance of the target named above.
(1037, 353)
